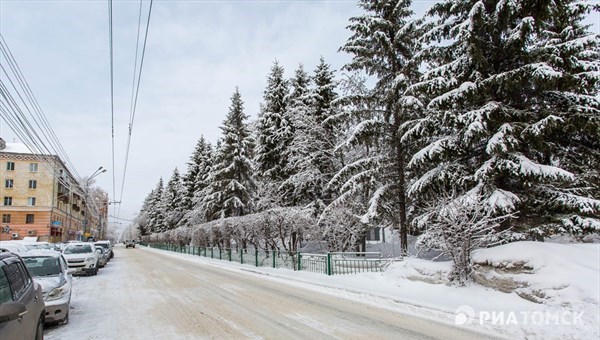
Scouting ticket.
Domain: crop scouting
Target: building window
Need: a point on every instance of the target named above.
(29, 218)
(31, 201)
(7, 200)
(32, 184)
(33, 167)
(374, 234)
(8, 183)
(5, 218)
(10, 166)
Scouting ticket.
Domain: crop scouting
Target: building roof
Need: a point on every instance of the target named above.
(17, 148)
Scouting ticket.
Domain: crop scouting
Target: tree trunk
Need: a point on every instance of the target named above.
(400, 167)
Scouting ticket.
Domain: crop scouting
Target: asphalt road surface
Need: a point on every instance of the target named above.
(143, 294)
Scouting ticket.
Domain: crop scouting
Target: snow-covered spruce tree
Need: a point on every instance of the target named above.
(156, 209)
(513, 110)
(143, 222)
(173, 200)
(297, 108)
(196, 182)
(197, 164)
(274, 130)
(383, 45)
(574, 53)
(455, 225)
(232, 186)
(312, 162)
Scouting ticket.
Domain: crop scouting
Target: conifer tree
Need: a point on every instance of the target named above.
(156, 209)
(512, 111)
(173, 201)
(311, 163)
(231, 187)
(383, 45)
(274, 130)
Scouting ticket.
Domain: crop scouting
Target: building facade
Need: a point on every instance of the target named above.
(40, 198)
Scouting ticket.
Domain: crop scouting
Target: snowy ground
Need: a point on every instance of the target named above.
(570, 271)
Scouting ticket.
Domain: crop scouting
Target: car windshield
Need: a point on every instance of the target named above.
(103, 245)
(42, 265)
(78, 249)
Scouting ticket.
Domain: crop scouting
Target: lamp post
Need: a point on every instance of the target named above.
(98, 171)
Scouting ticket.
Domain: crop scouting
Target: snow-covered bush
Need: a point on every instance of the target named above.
(457, 226)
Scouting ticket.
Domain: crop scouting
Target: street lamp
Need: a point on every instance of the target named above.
(98, 171)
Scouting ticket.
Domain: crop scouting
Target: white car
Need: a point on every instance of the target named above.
(50, 270)
(14, 247)
(82, 257)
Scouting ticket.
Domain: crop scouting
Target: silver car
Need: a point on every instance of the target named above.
(50, 270)
(102, 256)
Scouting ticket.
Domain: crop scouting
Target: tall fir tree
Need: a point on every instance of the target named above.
(311, 163)
(383, 45)
(173, 201)
(195, 182)
(232, 185)
(156, 209)
(512, 110)
(274, 130)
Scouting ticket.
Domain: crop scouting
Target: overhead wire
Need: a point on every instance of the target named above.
(134, 99)
(112, 95)
(15, 116)
(35, 111)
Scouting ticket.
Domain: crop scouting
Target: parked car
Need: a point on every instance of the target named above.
(13, 247)
(108, 246)
(82, 257)
(37, 245)
(21, 302)
(102, 256)
(50, 270)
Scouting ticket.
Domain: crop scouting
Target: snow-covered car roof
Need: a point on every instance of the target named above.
(41, 252)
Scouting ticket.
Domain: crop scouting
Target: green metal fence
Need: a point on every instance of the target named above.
(330, 263)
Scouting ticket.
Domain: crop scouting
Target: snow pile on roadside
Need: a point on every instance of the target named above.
(563, 278)
(415, 269)
(558, 274)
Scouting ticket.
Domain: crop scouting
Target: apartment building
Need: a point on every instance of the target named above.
(40, 197)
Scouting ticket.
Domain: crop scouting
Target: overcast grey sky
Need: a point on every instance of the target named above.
(197, 52)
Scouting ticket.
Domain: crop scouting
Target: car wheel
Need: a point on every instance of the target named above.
(65, 320)
(39, 333)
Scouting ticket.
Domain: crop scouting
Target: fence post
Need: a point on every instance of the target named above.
(211, 252)
(299, 260)
(241, 256)
(274, 260)
(229, 253)
(256, 257)
(328, 263)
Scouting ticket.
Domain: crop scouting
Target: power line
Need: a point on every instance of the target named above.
(112, 96)
(41, 121)
(137, 89)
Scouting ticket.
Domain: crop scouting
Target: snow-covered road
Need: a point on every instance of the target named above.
(145, 294)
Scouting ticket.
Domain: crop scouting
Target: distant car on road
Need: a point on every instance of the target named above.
(82, 257)
(130, 244)
(50, 270)
(21, 302)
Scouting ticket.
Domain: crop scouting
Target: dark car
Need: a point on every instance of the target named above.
(21, 302)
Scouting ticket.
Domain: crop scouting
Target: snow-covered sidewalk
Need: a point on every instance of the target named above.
(571, 312)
